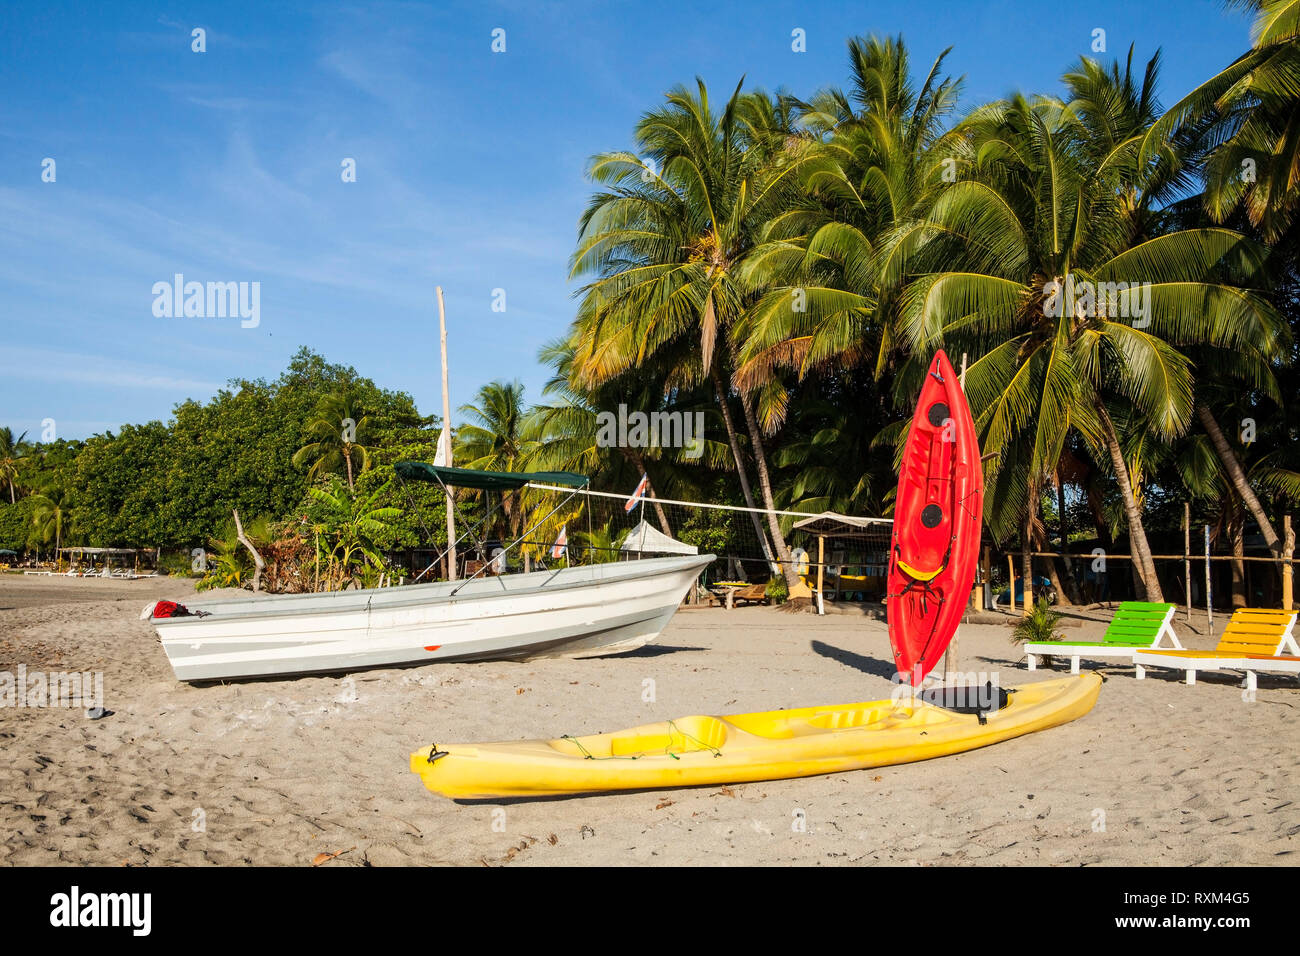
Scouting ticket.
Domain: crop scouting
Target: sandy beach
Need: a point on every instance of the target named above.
(277, 772)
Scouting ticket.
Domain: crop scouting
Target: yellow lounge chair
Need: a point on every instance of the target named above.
(1254, 640)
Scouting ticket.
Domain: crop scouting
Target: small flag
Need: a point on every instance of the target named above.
(638, 494)
(443, 457)
(561, 543)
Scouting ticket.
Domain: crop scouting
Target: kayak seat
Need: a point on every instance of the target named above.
(918, 574)
(683, 735)
(968, 698)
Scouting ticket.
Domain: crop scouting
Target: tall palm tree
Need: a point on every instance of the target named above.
(52, 516)
(879, 154)
(11, 452)
(1055, 194)
(1251, 110)
(566, 431)
(664, 241)
(1247, 119)
(338, 424)
(495, 439)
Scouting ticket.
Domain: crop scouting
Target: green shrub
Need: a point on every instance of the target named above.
(1038, 625)
(777, 589)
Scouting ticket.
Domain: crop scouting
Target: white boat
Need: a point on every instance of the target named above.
(582, 611)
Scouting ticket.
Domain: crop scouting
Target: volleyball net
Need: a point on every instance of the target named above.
(585, 526)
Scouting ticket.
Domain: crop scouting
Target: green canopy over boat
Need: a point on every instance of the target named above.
(485, 480)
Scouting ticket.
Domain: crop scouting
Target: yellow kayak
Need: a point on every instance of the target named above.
(695, 751)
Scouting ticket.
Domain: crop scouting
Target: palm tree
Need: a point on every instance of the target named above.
(1251, 110)
(665, 239)
(880, 154)
(566, 431)
(11, 452)
(52, 516)
(1055, 198)
(496, 440)
(832, 457)
(337, 425)
(1247, 120)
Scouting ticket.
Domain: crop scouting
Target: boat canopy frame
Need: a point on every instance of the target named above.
(485, 481)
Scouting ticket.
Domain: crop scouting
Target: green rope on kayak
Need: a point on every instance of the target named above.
(672, 725)
(588, 755)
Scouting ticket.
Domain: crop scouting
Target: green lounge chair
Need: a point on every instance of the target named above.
(1254, 640)
(1137, 626)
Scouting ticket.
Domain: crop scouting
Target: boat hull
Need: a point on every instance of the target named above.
(583, 611)
(701, 750)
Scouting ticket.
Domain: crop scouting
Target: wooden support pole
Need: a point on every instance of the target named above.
(1288, 571)
(1187, 556)
(821, 569)
(1209, 590)
(988, 577)
(1011, 571)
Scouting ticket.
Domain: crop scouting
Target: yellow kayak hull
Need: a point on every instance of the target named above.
(702, 750)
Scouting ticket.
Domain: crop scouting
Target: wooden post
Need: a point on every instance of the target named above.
(1187, 556)
(1011, 570)
(1209, 592)
(446, 425)
(821, 571)
(987, 575)
(1288, 572)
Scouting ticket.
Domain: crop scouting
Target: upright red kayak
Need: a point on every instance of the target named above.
(937, 516)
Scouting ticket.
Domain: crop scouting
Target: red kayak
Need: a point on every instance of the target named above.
(937, 516)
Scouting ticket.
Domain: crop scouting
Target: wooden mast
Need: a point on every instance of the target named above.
(446, 430)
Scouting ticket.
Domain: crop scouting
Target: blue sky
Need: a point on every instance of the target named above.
(225, 166)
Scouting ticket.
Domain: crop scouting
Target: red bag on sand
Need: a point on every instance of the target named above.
(170, 609)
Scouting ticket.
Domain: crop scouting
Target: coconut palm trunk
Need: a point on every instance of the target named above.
(1237, 535)
(788, 569)
(664, 526)
(1041, 544)
(1070, 581)
(1238, 477)
(1138, 546)
(1027, 548)
(740, 463)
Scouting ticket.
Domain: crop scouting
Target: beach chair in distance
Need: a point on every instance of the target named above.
(1136, 626)
(1254, 640)
(754, 594)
